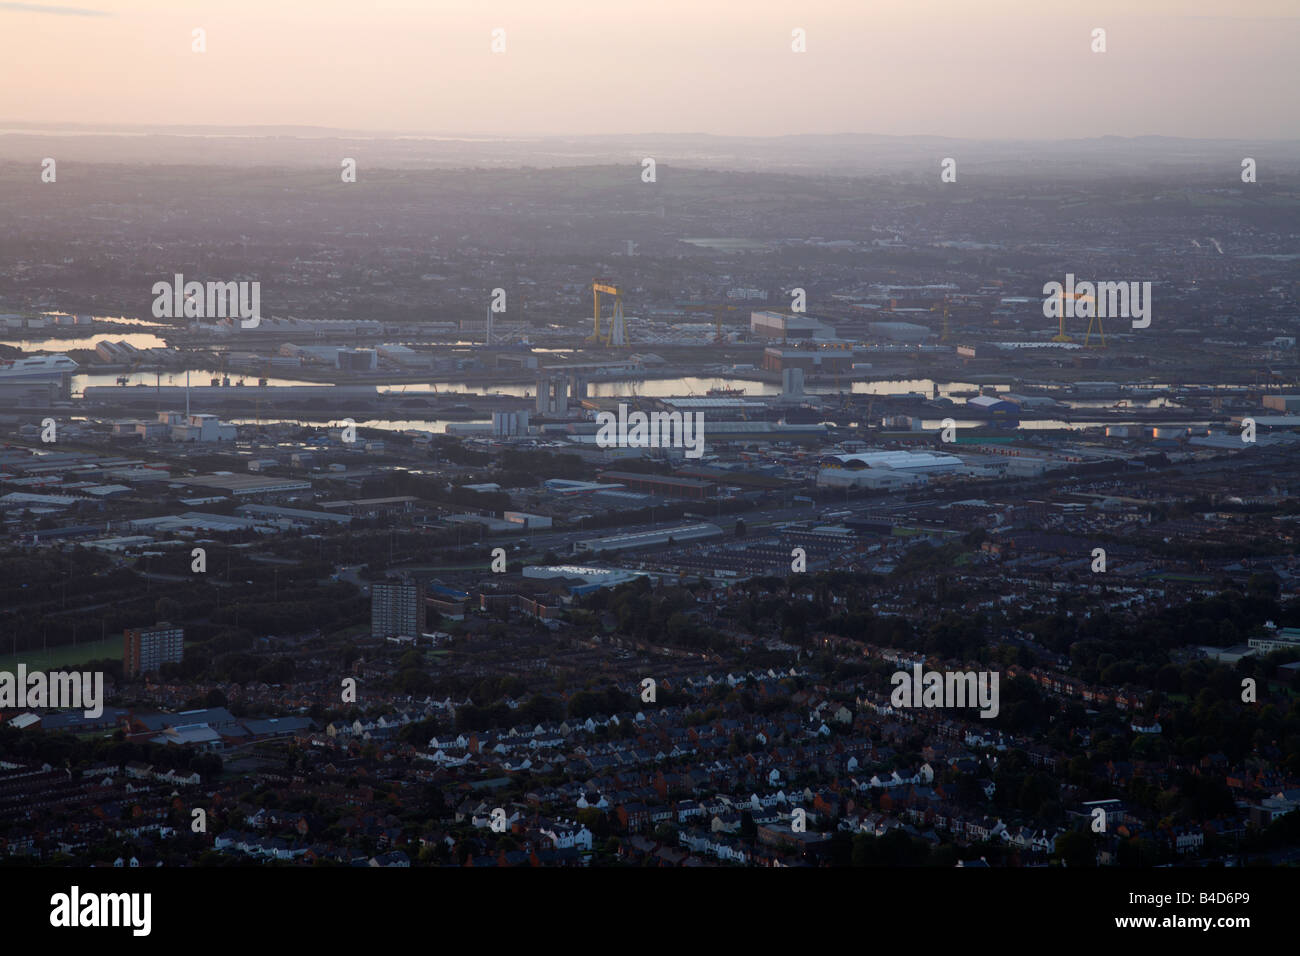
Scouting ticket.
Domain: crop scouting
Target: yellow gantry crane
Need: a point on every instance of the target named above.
(1094, 319)
(616, 333)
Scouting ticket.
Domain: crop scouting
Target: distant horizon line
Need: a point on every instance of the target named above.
(22, 127)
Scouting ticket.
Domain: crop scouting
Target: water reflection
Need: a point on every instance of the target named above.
(141, 340)
(1047, 424)
(198, 378)
(691, 385)
(437, 427)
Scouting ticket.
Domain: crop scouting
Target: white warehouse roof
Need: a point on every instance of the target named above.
(902, 460)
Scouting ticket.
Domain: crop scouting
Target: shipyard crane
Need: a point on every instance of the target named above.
(1093, 319)
(616, 334)
(1100, 331)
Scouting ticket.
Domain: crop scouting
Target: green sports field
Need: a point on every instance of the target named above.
(65, 656)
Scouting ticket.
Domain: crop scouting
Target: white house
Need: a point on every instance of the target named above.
(566, 836)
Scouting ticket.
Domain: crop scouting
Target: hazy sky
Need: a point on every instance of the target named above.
(965, 68)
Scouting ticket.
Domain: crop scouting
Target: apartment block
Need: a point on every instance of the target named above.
(146, 649)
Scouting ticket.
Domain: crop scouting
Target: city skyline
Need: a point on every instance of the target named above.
(483, 435)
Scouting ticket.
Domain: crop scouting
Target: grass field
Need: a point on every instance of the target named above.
(65, 656)
(355, 630)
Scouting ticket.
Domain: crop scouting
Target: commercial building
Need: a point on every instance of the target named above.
(448, 602)
(907, 332)
(27, 394)
(404, 356)
(489, 525)
(116, 352)
(1278, 639)
(204, 428)
(313, 328)
(199, 521)
(995, 410)
(357, 360)
(787, 327)
(1282, 403)
(526, 520)
(665, 485)
(680, 534)
(920, 462)
(885, 469)
(395, 610)
(592, 579)
(38, 503)
(371, 507)
(1264, 423)
(809, 361)
(311, 354)
(146, 649)
(241, 485)
(571, 486)
(507, 424)
(295, 516)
